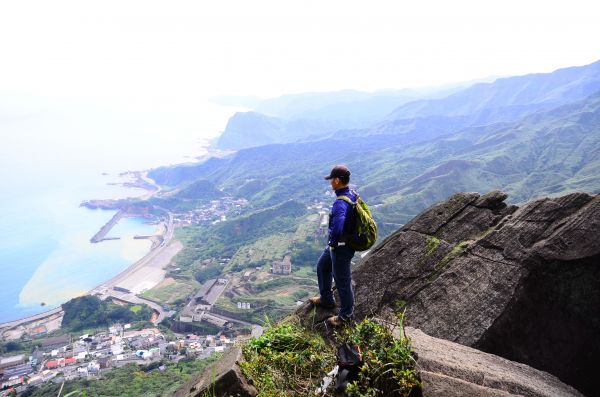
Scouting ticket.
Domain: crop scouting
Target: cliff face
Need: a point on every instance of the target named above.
(521, 283)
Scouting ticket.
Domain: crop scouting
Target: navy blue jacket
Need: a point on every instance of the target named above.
(340, 220)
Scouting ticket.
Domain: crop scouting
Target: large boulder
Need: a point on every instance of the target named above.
(521, 283)
(448, 369)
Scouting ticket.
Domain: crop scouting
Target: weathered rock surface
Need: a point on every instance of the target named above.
(449, 369)
(521, 283)
(222, 379)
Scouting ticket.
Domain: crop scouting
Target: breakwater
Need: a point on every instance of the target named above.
(101, 235)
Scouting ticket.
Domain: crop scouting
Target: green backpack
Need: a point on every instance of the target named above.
(365, 228)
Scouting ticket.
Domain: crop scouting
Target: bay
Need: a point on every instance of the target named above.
(52, 159)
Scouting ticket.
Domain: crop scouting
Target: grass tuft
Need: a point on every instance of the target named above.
(289, 360)
(432, 244)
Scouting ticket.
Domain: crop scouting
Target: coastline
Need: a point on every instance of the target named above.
(148, 270)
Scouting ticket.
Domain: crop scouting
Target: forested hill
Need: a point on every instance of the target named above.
(545, 153)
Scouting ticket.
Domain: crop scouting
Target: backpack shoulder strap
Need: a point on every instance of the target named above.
(346, 199)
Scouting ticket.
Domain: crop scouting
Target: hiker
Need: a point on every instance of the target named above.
(334, 262)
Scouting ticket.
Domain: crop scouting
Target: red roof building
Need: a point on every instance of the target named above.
(61, 362)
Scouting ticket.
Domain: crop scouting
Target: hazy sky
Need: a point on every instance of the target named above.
(168, 57)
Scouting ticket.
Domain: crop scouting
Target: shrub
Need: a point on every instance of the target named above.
(389, 367)
(290, 360)
(287, 360)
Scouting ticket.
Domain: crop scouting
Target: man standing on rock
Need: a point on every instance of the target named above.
(334, 263)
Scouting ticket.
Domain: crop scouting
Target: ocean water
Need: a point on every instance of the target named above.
(45, 251)
(54, 157)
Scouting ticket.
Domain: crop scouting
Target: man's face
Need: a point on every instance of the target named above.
(335, 183)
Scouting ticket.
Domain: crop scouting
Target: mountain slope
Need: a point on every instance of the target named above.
(549, 89)
(314, 116)
(311, 117)
(546, 153)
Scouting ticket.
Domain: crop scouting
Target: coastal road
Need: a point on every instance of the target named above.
(35, 317)
(144, 176)
(145, 273)
(136, 300)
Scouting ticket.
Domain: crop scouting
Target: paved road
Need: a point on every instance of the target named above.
(150, 266)
(38, 316)
(131, 298)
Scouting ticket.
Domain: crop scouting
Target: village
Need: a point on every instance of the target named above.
(213, 212)
(62, 358)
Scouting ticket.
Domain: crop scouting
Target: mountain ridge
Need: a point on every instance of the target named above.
(548, 152)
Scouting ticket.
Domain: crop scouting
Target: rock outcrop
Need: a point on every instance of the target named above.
(222, 379)
(448, 369)
(521, 283)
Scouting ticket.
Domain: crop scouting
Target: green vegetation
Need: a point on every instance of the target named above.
(432, 244)
(225, 238)
(269, 296)
(190, 197)
(87, 312)
(454, 252)
(172, 293)
(399, 305)
(207, 272)
(289, 360)
(274, 297)
(547, 153)
(389, 367)
(129, 380)
(261, 251)
(11, 348)
(279, 282)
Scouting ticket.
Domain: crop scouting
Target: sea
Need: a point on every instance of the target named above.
(54, 157)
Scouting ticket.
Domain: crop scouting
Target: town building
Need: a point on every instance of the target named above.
(246, 276)
(282, 267)
(56, 342)
(210, 291)
(17, 371)
(12, 361)
(104, 362)
(61, 362)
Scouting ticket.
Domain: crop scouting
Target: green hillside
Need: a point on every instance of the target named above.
(546, 153)
(225, 238)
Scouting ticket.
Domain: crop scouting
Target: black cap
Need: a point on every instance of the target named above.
(339, 171)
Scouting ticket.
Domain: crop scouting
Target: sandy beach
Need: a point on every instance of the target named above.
(145, 273)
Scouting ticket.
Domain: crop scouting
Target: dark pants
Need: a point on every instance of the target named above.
(335, 264)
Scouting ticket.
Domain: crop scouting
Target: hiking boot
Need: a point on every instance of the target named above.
(316, 301)
(336, 321)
